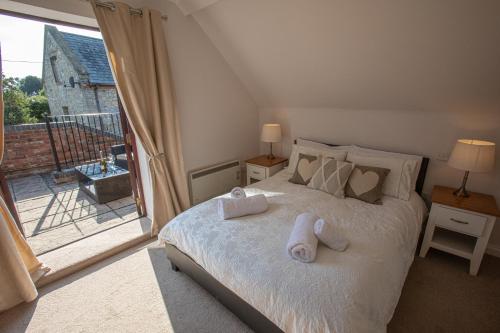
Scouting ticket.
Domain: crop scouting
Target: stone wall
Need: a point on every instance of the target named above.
(82, 98)
(108, 99)
(28, 150)
(60, 94)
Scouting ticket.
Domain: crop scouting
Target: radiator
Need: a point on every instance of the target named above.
(210, 182)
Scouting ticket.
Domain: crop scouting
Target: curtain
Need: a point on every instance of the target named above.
(137, 52)
(19, 268)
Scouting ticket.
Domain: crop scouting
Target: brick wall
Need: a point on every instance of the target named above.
(27, 148)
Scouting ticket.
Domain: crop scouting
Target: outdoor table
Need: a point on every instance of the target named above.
(104, 187)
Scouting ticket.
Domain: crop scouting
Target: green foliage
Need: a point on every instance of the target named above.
(10, 82)
(15, 107)
(30, 85)
(19, 108)
(38, 106)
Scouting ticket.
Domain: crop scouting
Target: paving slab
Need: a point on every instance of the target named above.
(54, 215)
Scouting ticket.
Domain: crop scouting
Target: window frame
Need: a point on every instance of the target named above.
(55, 73)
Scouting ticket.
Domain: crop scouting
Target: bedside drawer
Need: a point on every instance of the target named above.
(256, 172)
(460, 221)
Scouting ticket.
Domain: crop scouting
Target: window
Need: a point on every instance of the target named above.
(54, 69)
(65, 110)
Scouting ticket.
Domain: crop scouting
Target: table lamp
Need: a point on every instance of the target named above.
(471, 156)
(271, 133)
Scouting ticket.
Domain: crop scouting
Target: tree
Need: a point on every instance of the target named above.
(30, 85)
(15, 106)
(10, 83)
(38, 106)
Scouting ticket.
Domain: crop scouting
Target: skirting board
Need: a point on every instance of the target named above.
(493, 251)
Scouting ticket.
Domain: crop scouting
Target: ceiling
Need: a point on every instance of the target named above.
(359, 54)
(191, 6)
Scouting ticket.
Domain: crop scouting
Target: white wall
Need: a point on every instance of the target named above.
(361, 54)
(425, 133)
(410, 76)
(219, 119)
(73, 11)
(146, 178)
(434, 64)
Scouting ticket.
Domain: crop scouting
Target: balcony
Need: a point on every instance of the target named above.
(54, 215)
(63, 223)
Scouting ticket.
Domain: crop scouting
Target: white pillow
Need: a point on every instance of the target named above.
(398, 182)
(339, 155)
(374, 152)
(319, 145)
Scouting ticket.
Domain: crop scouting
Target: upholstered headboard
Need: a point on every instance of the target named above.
(421, 174)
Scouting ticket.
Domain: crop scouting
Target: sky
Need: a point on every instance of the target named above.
(22, 41)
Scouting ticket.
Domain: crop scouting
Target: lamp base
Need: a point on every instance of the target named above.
(270, 156)
(462, 192)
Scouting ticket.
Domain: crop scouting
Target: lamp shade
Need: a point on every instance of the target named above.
(473, 155)
(271, 133)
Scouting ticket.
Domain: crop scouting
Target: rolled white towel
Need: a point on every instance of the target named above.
(229, 208)
(327, 235)
(302, 243)
(238, 193)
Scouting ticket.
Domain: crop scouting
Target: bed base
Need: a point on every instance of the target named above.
(245, 312)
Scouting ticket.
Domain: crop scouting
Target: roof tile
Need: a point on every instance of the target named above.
(92, 55)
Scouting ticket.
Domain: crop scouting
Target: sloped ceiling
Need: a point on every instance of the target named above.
(188, 7)
(362, 54)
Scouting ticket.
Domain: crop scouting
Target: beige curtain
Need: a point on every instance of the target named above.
(137, 52)
(19, 267)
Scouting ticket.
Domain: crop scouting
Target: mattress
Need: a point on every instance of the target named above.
(352, 291)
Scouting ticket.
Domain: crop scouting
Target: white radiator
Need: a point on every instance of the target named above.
(213, 181)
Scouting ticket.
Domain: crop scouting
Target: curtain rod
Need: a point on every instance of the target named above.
(132, 11)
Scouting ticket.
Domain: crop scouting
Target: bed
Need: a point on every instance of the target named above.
(243, 261)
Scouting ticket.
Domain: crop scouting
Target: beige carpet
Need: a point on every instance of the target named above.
(136, 291)
(440, 296)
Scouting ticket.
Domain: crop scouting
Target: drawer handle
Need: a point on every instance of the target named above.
(255, 172)
(458, 221)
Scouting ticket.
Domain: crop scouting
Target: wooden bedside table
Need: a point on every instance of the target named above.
(260, 167)
(460, 226)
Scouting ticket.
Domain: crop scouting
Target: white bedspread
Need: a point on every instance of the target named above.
(352, 291)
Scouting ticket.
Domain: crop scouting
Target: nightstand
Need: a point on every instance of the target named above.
(460, 226)
(260, 167)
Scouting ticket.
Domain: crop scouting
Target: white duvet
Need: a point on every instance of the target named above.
(352, 291)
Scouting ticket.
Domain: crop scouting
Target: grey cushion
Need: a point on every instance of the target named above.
(365, 183)
(121, 161)
(331, 177)
(305, 169)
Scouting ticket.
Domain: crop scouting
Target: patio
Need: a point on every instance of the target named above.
(54, 215)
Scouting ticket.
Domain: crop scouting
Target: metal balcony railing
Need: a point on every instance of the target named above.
(79, 139)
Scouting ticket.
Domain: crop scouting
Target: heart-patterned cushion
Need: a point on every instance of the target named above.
(365, 183)
(332, 176)
(306, 168)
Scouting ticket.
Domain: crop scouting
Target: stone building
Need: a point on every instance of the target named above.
(76, 75)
